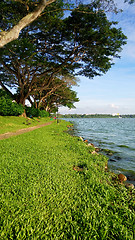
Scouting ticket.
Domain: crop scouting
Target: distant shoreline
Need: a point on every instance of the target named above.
(96, 116)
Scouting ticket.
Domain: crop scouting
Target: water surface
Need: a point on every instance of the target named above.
(116, 134)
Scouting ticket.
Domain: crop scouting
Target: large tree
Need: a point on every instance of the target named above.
(15, 15)
(84, 43)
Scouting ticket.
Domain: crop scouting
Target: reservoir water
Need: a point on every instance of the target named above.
(116, 134)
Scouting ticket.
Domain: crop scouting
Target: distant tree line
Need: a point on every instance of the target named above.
(95, 116)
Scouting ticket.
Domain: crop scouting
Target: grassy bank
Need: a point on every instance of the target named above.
(12, 124)
(43, 197)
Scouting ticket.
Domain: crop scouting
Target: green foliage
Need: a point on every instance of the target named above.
(12, 11)
(97, 37)
(130, 1)
(42, 197)
(61, 96)
(68, 46)
(43, 113)
(32, 112)
(5, 94)
(8, 107)
(35, 112)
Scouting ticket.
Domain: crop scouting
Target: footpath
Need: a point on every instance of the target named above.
(21, 131)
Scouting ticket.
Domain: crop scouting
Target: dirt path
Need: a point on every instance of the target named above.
(21, 131)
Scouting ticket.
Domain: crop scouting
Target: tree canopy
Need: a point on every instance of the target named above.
(18, 14)
(53, 50)
(60, 47)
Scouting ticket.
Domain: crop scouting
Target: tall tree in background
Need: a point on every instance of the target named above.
(61, 96)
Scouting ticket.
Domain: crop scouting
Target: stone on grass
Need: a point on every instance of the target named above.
(129, 185)
(122, 178)
(91, 144)
(81, 138)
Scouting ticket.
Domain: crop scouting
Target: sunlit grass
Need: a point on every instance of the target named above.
(11, 124)
(42, 197)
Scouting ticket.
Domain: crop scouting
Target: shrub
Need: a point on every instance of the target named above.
(7, 107)
(31, 111)
(43, 113)
(35, 112)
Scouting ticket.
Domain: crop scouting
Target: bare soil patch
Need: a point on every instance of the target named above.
(21, 131)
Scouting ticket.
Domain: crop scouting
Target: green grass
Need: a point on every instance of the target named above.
(12, 124)
(42, 197)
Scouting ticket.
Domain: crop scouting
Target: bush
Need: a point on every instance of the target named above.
(35, 112)
(31, 111)
(43, 113)
(7, 107)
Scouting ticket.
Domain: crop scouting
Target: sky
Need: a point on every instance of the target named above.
(114, 92)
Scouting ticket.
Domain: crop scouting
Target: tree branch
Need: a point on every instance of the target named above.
(13, 34)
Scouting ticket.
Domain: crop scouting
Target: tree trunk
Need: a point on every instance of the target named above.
(23, 114)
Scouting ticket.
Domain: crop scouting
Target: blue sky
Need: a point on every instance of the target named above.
(113, 92)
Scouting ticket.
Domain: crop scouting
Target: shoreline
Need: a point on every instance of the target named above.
(120, 155)
(108, 153)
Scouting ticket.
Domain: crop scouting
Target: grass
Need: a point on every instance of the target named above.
(42, 197)
(12, 124)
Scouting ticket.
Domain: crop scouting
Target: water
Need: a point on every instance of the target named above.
(116, 134)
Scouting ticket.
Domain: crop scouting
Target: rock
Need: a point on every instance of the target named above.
(69, 126)
(81, 138)
(112, 160)
(118, 158)
(129, 185)
(106, 167)
(110, 154)
(108, 151)
(23, 115)
(122, 177)
(80, 167)
(97, 149)
(91, 144)
(131, 178)
(94, 152)
(77, 168)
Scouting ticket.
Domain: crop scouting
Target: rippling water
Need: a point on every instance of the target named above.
(117, 134)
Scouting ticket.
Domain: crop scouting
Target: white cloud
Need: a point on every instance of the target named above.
(123, 106)
(114, 106)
